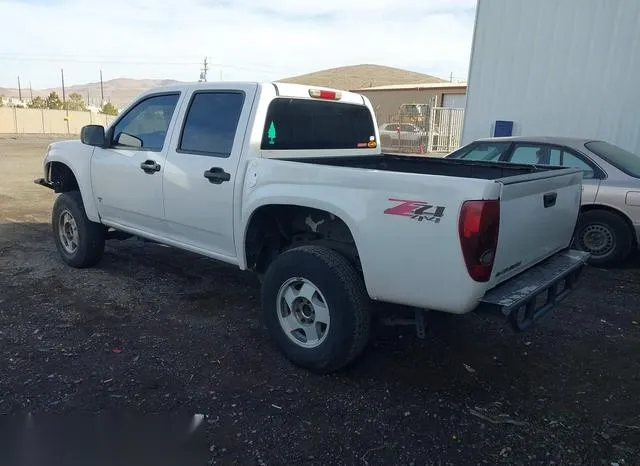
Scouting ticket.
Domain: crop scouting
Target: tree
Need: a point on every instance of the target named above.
(75, 103)
(53, 101)
(109, 109)
(37, 102)
(1, 101)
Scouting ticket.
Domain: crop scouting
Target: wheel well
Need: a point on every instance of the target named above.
(62, 177)
(627, 220)
(275, 228)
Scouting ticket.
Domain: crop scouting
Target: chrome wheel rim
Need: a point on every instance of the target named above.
(68, 232)
(303, 312)
(597, 239)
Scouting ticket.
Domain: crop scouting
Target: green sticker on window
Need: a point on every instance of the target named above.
(271, 134)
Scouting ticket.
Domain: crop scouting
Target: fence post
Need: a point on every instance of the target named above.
(449, 130)
(42, 118)
(15, 121)
(431, 129)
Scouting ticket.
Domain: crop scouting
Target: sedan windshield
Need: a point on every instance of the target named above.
(622, 159)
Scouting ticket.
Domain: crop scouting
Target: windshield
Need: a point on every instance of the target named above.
(622, 159)
(299, 124)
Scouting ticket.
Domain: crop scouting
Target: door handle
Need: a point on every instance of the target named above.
(217, 175)
(549, 199)
(150, 167)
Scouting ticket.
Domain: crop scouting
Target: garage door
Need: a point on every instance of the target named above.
(454, 100)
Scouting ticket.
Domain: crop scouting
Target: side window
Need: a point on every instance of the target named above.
(545, 155)
(569, 159)
(555, 157)
(483, 151)
(529, 154)
(211, 123)
(145, 125)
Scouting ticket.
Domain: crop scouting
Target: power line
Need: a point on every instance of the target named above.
(132, 60)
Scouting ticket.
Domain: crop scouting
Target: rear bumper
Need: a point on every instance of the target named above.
(530, 295)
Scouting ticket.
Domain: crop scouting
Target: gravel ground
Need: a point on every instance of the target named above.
(152, 331)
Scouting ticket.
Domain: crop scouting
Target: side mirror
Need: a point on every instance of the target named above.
(93, 135)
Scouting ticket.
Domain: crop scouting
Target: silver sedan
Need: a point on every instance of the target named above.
(609, 223)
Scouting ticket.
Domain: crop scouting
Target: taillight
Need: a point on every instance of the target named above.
(478, 228)
(324, 94)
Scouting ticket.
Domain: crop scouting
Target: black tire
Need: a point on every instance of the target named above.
(348, 307)
(610, 228)
(90, 235)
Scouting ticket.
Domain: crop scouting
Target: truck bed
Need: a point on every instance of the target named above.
(429, 166)
(538, 209)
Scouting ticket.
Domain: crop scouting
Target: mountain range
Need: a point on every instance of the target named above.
(121, 91)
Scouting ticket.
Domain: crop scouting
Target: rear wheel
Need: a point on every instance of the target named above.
(316, 308)
(605, 235)
(80, 241)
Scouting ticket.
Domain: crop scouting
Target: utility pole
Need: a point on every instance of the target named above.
(451, 77)
(203, 72)
(64, 101)
(101, 91)
(19, 90)
(30, 90)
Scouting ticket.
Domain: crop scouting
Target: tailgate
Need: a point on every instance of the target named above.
(538, 214)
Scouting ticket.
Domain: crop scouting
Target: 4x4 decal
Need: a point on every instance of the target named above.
(417, 210)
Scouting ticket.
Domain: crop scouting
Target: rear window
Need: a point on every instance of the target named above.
(300, 124)
(622, 159)
(481, 151)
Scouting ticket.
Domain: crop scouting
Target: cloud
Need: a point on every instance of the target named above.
(245, 39)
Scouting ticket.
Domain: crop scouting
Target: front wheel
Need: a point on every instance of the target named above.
(80, 241)
(316, 308)
(605, 235)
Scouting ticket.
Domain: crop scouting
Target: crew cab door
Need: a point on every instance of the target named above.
(201, 168)
(127, 175)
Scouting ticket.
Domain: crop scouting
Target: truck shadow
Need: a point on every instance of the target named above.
(468, 353)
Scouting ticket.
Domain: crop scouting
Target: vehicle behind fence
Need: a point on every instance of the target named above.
(434, 131)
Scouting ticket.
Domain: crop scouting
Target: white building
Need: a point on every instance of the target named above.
(556, 68)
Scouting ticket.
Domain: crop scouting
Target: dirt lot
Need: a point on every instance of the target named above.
(153, 330)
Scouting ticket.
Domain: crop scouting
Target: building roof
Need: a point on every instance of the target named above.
(361, 77)
(415, 87)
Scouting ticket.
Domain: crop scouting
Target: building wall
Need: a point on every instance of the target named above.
(556, 68)
(45, 121)
(387, 102)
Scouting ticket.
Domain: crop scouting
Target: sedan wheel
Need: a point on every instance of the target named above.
(597, 239)
(605, 235)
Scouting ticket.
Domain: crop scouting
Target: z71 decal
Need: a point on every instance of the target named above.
(417, 210)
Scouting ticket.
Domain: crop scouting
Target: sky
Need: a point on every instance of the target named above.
(242, 39)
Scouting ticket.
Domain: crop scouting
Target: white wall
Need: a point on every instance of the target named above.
(556, 68)
(454, 100)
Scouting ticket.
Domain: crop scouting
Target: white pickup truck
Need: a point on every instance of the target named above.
(289, 181)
